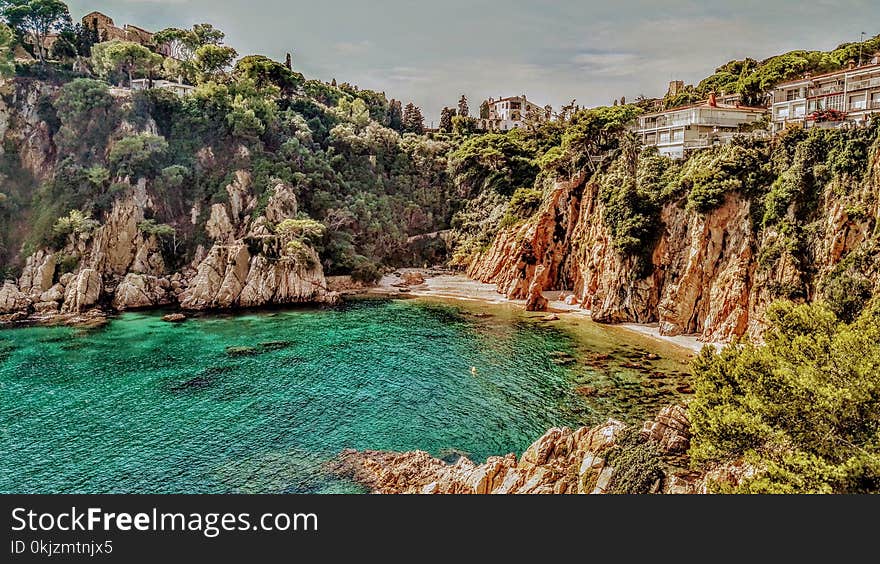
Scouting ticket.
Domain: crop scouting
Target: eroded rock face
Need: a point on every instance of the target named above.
(230, 277)
(83, 291)
(12, 299)
(563, 461)
(141, 291)
(710, 274)
(119, 247)
(38, 273)
(670, 430)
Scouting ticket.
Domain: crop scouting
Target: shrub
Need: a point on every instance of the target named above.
(366, 271)
(803, 409)
(138, 155)
(636, 461)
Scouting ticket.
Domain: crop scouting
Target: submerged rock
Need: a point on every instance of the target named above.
(174, 317)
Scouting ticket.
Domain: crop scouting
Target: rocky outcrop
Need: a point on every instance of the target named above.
(38, 273)
(119, 247)
(12, 299)
(230, 277)
(82, 292)
(544, 241)
(141, 291)
(671, 430)
(562, 461)
(712, 274)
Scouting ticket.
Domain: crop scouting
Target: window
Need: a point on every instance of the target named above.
(782, 113)
(857, 102)
(875, 100)
(800, 110)
(791, 95)
(834, 102)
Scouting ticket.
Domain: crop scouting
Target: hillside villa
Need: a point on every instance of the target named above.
(849, 96)
(678, 130)
(511, 113)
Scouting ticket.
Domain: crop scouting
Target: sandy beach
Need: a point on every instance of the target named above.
(459, 287)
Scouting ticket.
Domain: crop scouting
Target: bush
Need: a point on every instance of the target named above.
(367, 272)
(523, 205)
(803, 409)
(847, 295)
(637, 463)
(138, 155)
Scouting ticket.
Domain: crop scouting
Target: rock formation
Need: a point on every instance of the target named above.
(711, 274)
(563, 461)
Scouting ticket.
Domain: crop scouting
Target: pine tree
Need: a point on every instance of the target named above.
(463, 109)
(395, 115)
(446, 120)
(413, 121)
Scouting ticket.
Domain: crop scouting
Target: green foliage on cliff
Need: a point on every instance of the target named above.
(803, 409)
(752, 78)
(637, 463)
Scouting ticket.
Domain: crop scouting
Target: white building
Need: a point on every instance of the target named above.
(828, 100)
(678, 130)
(177, 87)
(511, 113)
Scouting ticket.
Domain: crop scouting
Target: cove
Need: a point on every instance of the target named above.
(261, 402)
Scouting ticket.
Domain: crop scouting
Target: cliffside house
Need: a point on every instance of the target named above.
(678, 130)
(511, 113)
(177, 87)
(849, 96)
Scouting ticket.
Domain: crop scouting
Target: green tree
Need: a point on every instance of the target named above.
(413, 121)
(138, 155)
(264, 72)
(36, 19)
(464, 125)
(463, 109)
(211, 60)
(7, 45)
(115, 58)
(446, 120)
(803, 409)
(395, 116)
(484, 109)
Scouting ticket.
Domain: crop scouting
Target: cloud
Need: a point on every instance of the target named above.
(348, 48)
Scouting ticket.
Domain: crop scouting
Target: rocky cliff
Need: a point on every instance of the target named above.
(594, 460)
(119, 260)
(710, 273)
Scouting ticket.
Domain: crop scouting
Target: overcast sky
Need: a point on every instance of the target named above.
(552, 51)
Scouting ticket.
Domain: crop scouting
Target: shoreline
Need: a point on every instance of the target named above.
(459, 287)
(436, 283)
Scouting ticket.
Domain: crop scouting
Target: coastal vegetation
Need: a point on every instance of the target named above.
(295, 173)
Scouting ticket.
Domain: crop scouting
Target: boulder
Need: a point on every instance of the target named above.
(671, 429)
(535, 300)
(53, 294)
(174, 317)
(139, 291)
(13, 300)
(83, 291)
(37, 274)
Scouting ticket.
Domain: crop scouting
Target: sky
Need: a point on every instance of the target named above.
(552, 51)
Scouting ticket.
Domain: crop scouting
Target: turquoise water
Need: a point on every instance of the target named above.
(259, 403)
